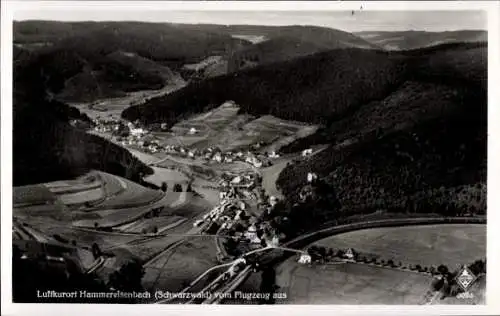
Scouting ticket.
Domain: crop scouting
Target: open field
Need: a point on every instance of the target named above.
(349, 284)
(113, 107)
(171, 177)
(183, 264)
(125, 213)
(225, 128)
(426, 245)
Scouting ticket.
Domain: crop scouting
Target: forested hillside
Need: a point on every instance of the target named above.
(46, 147)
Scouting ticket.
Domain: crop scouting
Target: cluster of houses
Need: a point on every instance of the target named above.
(231, 215)
(130, 134)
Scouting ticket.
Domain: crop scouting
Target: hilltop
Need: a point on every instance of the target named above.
(321, 36)
(404, 40)
(164, 42)
(281, 43)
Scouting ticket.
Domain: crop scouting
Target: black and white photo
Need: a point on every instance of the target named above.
(239, 157)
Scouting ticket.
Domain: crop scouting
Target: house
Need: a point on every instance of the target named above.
(274, 242)
(273, 200)
(349, 253)
(236, 180)
(273, 154)
(251, 233)
(193, 131)
(311, 176)
(305, 259)
(137, 132)
(257, 163)
(255, 240)
(198, 223)
(218, 157)
(306, 152)
(191, 154)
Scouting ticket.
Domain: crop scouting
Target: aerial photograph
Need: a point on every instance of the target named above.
(249, 157)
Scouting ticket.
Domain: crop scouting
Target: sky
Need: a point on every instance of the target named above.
(363, 20)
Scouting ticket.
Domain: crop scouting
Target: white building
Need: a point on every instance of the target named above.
(251, 233)
(255, 240)
(193, 131)
(257, 163)
(217, 157)
(307, 152)
(311, 176)
(273, 154)
(273, 200)
(138, 132)
(305, 259)
(349, 254)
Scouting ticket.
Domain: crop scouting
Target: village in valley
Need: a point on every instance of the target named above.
(167, 163)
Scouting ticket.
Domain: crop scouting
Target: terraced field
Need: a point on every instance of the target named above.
(32, 195)
(87, 238)
(92, 196)
(113, 185)
(147, 224)
(134, 195)
(123, 213)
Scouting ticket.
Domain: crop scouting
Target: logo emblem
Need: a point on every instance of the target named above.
(465, 278)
